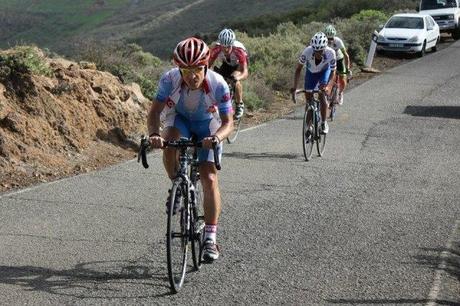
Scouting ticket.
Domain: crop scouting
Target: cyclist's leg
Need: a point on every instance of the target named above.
(209, 181)
(175, 127)
(342, 77)
(323, 80)
(311, 83)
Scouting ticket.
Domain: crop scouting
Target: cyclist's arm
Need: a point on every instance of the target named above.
(242, 72)
(298, 70)
(347, 58)
(214, 54)
(227, 126)
(153, 118)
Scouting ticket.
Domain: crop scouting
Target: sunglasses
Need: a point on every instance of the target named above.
(191, 70)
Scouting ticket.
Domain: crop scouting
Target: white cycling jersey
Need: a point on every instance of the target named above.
(328, 60)
(337, 44)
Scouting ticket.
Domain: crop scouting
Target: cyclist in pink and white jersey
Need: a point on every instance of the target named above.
(194, 100)
(234, 66)
(321, 65)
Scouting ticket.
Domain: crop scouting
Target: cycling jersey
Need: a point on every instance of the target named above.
(337, 44)
(200, 104)
(194, 111)
(328, 60)
(238, 55)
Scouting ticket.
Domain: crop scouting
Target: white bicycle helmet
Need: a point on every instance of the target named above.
(226, 37)
(319, 41)
(330, 31)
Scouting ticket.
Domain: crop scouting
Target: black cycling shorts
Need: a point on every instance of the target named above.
(341, 69)
(226, 70)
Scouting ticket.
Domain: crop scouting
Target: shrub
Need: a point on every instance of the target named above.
(24, 59)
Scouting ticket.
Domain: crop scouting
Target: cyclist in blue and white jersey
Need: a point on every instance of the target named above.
(320, 61)
(193, 99)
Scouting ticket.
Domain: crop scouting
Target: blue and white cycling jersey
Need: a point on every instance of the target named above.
(195, 105)
(328, 60)
(194, 111)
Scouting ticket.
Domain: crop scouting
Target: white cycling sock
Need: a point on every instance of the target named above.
(210, 231)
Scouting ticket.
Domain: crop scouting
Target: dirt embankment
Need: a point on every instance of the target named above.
(74, 119)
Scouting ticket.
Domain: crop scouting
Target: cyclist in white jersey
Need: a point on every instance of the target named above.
(320, 61)
(343, 59)
(194, 100)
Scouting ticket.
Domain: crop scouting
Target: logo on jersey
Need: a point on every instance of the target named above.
(170, 103)
(226, 97)
(212, 109)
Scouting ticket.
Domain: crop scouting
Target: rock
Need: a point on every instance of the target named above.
(87, 65)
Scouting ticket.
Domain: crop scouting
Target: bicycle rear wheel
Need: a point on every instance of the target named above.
(236, 128)
(334, 101)
(307, 134)
(177, 236)
(197, 225)
(320, 139)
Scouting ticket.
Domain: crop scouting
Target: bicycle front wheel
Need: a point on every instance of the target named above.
(177, 237)
(307, 134)
(197, 225)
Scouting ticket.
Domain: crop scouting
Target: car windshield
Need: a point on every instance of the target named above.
(437, 4)
(405, 23)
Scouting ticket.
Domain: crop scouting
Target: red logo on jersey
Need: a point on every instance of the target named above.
(212, 109)
(170, 103)
(226, 97)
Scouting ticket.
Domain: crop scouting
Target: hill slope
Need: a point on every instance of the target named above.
(59, 117)
(156, 24)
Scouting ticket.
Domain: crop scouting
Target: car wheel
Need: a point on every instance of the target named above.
(456, 34)
(435, 47)
(422, 52)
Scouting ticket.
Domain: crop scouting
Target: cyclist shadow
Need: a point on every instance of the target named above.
(450, 112)
(98, 279)
(262, 155)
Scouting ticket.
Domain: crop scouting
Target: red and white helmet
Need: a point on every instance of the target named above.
(319, 41)
(191, 52)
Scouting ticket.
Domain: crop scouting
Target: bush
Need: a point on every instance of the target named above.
(128, 62)
(24, 59)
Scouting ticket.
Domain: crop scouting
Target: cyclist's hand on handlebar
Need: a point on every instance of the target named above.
(208, 142)
(156, 141)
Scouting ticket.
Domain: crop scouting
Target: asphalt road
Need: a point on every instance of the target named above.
(375, 221)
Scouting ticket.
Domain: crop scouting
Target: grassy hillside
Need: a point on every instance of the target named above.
(156, 25)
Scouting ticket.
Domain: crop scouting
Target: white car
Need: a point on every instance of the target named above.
(412, 33)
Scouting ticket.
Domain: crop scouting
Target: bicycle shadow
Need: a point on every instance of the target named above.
(450, 112)
(262, 155)
(430, 258)
(97, 280)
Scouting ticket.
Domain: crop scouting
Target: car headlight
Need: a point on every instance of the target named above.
(380, 38)
(450, 16)
(413, 39)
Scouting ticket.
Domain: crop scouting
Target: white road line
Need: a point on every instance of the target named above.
(436, 287)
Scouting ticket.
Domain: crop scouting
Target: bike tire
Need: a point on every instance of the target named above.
(320, 138)
(307, 141)
(334, 101)
(197, 225)
(177, 238)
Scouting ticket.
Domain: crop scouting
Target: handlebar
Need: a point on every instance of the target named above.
(183, 143)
